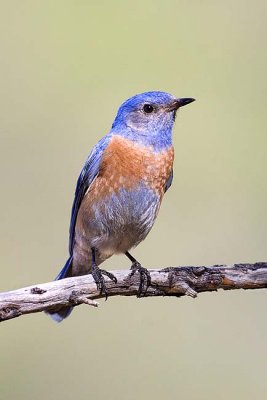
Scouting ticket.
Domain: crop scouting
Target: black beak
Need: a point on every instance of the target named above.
(184, 101)
(177, 103)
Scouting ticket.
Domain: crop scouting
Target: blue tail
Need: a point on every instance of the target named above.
(63, 312)
(64, 272)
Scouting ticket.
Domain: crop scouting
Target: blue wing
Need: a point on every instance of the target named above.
(87, 175)
(169, 181)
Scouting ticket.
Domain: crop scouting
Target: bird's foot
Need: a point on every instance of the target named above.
(145, 279)
(97, 274)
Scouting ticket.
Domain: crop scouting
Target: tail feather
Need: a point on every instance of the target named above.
(63, 312)
(64, 272)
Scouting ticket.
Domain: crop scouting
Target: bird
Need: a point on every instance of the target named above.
(120, 189)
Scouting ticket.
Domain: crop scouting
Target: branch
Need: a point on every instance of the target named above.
(176, 281)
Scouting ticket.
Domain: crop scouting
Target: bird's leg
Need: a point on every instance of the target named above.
(98, 275)
(145, 279)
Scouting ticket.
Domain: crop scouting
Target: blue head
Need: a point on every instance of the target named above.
(148, 118)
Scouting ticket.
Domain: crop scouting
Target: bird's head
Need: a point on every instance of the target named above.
(148, 118)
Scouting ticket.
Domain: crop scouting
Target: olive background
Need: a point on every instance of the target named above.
(65, 68)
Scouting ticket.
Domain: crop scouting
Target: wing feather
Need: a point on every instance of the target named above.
(169, 181)
(87, 175)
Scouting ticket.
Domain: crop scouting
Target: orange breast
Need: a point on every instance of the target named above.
(126, 164)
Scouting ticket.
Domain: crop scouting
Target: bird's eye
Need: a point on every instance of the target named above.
(148, 108)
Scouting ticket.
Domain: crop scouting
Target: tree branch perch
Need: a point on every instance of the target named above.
(175, 281)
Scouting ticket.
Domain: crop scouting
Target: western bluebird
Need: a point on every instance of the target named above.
(120, 188)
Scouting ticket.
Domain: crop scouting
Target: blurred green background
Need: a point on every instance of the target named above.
(65, 68)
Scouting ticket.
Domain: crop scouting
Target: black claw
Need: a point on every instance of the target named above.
(97, 274)
(145, 279)
(109, 275)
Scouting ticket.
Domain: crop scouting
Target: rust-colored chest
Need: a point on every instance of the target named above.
(125, 165)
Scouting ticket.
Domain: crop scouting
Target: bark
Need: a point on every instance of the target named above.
(173, 281)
